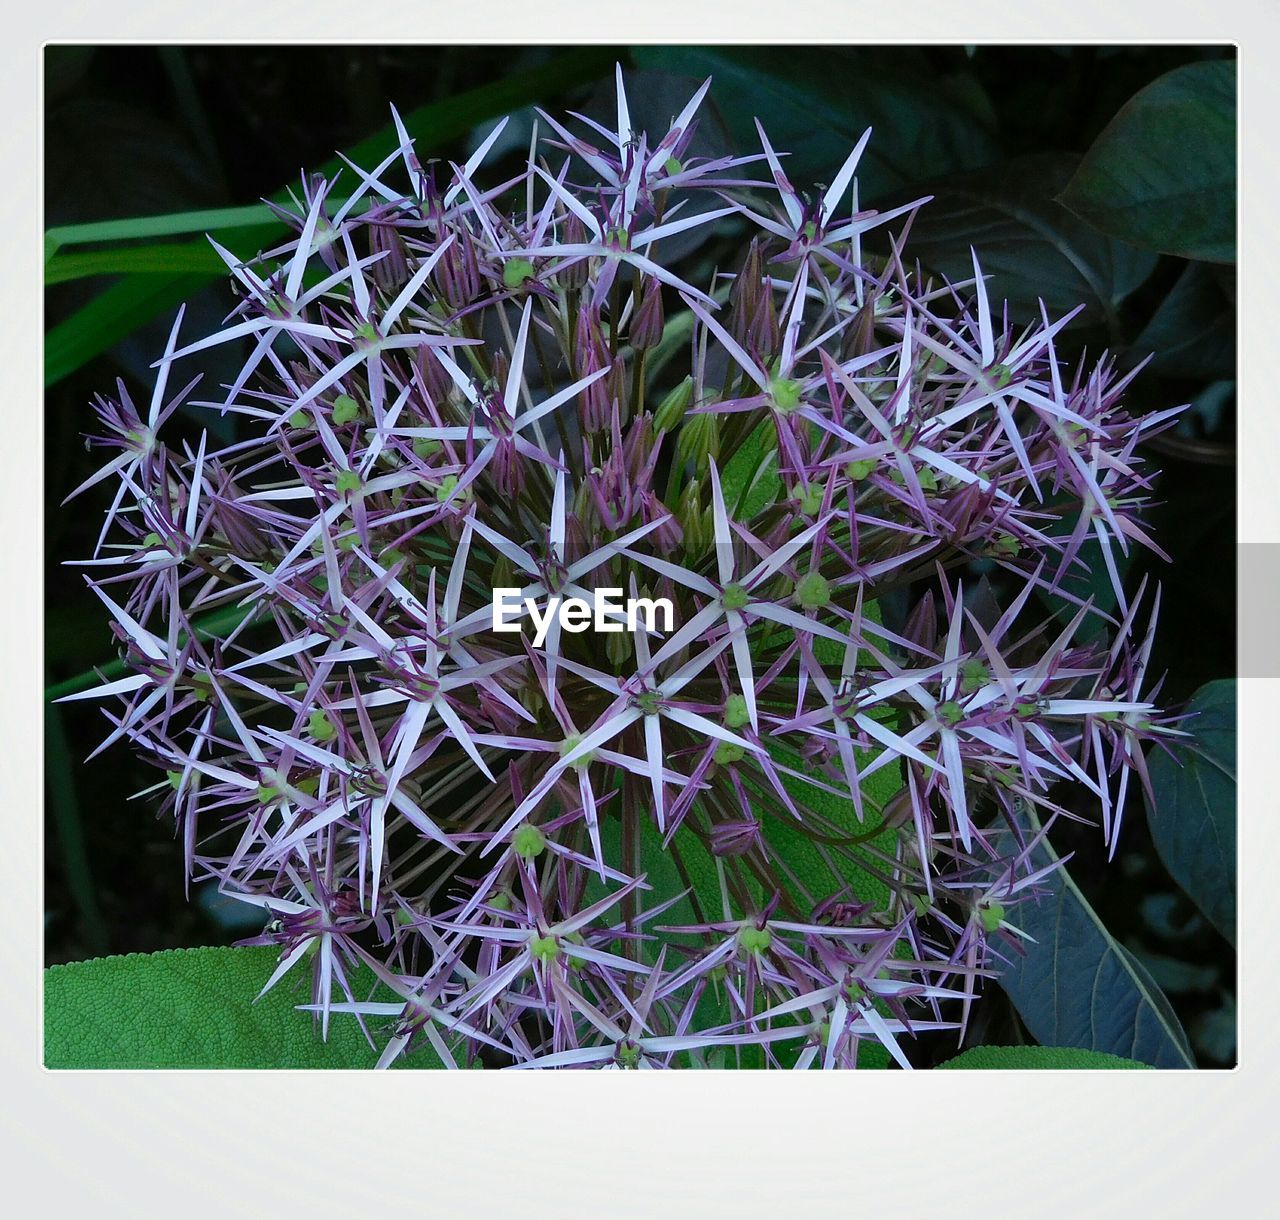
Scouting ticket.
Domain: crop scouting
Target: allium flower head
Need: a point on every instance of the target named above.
(772, 831)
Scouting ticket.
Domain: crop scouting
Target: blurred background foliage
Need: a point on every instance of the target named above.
(1094, 175)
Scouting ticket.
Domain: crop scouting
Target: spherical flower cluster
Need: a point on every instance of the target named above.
(773, 832)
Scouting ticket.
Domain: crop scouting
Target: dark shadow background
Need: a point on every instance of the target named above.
(133, 131)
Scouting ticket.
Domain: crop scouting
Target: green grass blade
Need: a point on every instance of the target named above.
(109, 317)
(171, 258)
(170, 224)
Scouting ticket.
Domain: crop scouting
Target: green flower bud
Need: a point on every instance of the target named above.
(348, 481)
(735, 712)
(672, 408)
(735, 597)
(571, 743)
(528, 841)
(753, 939)
(729, 752)
(808, 499)
(426, 447)
(696, 530)
(1001, 375)
(854, 992)
(345, 410)
(446, 489)
(924, 475)
(576, 960)
(544, 948)
(174, 778)
(974, 675)
(950, 712)
(785, 394)
(268, 793)
(321, 727)
(516, 271)
(1005, 544)
(813, 591)
(671, 167)
(299, 420)
(698, 440)
(859, 470)
(990, 913)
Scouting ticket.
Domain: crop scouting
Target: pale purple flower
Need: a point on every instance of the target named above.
(656, 846)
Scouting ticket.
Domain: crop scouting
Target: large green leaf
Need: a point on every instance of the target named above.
(815, 102)
(1192, 332)
(1030, 247)
(194, 1008)
(130, 302)
(1162, 173)
(1038, 1059)
(1075, 985)
(1193, 817)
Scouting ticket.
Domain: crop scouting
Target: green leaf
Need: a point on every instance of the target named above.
(1075, 985)
(169, 224)
(1192, 333)
(1162, 173)
(750, 480)
(1193, 817)
(1039, 1059)
(816, 102)
(1029, 246)
(111, 315)
(165, 258)
(127, 304)
(193, 1008)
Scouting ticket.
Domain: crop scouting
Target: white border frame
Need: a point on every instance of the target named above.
(685, 1144)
